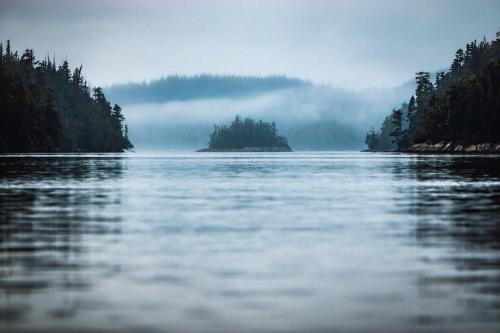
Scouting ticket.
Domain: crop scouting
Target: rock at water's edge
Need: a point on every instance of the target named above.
(455, 148)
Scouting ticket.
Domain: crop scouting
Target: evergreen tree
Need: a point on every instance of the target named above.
(412, 110)
(65, 71)
(98, 94)
(396, 121)
(423, 94)
(8, 52)
(458, 61)
(117, 113)
(439, 78)
(372, 139)
(77, 79)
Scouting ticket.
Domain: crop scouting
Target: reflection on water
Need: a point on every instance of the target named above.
(46, 209)
(250, 242)
(458, 207)
(457, 199)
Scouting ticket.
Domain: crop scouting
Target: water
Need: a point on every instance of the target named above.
(186, 242)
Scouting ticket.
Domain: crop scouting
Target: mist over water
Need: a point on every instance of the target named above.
(249, 242)
(312, 117)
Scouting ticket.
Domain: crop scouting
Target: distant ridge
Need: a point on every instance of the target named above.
(179, 88)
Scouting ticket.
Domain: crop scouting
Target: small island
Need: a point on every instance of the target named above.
(246, 135)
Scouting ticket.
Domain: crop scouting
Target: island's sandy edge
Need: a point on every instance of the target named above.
(246, 150)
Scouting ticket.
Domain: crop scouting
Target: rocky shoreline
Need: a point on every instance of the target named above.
(455, 148)
(246, 150)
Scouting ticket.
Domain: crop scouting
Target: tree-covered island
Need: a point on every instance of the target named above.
(457, 113)
(246, 135)
(49, 108)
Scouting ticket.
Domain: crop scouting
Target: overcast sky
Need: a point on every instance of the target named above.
(347, 43)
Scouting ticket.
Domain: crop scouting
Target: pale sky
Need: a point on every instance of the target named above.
(350, 44)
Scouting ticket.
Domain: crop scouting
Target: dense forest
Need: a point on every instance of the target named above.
(247, 133)
(49, 108)
(179, 88)
(462, 105)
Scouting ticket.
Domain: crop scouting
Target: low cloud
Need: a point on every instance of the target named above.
(187, 123)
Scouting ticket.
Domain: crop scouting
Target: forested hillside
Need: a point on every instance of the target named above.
(179, 88)
(48, 108)
(461, 106)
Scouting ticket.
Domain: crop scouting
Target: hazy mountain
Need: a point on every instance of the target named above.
(179, 111)
(181, 88)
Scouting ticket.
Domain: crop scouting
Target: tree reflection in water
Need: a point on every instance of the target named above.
(456, 202)
(42, 224)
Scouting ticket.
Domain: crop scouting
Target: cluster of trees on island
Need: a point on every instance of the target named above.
(462, 105)
(245, 134)
(45, 107)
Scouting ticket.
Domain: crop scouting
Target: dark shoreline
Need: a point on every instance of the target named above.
(455, 148)
(447, 148)
(246, 150)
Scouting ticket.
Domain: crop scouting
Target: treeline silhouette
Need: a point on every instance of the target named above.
(175, 87)
(382, 140)
(462, 105)
(246, 133)
(49, 108)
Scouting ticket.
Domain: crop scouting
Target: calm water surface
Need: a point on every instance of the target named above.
(187, 242)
